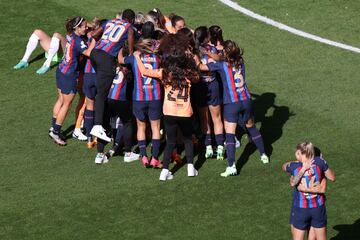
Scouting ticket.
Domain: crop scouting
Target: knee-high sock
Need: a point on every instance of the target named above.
(219, 139)
(30, 47)
(155, 147)
(257, 139)
(54, 47)
(230, 148)
(88, 121)
(207, 140)
(142, 146)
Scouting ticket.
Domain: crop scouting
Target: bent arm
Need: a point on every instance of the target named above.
(121, 58)
(329, 174)
(319, 189)
(154, 73)
(90, 48)
(131, 40)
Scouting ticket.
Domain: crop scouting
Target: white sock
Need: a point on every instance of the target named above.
(30, 47)
(54, 47)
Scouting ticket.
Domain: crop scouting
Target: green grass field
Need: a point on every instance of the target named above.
(303, 89)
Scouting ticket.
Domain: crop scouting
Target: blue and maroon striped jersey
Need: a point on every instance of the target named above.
(207, 76)
(145, 88)
(75, 46)
(119, 86)
(314, 175)
(88, 67)
(114, 35)
(234, 91)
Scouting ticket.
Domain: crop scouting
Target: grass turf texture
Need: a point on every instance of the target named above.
(48, 192)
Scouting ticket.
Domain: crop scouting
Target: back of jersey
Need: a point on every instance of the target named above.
(177, 101)
(114, 36)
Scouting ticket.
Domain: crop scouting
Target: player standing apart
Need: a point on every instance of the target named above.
(50, 45)
(308, 204)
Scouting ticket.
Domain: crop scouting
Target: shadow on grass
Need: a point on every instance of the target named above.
(67, 132)
(348, 231)
(271, 126)
(37, 58)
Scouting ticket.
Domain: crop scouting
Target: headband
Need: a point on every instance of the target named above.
(78, 24)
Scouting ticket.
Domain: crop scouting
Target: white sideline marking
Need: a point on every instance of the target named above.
(281, 26)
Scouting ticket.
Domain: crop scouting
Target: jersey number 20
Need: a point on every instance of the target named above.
(113, 32)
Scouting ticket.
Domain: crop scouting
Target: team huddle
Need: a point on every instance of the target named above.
(183, 84)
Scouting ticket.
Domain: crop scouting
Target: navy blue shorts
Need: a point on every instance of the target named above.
(89, 86)
(207, 93)
(238, 112)
(151, 109)
(67, 83)
(303, 218)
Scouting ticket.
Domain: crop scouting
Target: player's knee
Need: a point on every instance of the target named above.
(38, 32)
(57, 35)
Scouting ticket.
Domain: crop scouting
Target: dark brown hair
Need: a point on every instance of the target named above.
(233, 54)
(72, 23)
(177, 64)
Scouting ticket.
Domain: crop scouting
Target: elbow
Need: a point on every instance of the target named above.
(292, 184)
(332, 178)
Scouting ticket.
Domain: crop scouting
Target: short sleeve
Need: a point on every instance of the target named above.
(322, 164)
(290, 168)
(129, 59)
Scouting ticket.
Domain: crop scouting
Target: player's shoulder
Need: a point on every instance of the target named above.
(292, 166)
(320, 161)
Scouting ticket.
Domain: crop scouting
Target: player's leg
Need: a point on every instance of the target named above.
(185, 126)
(56, 109)
(311, 234)
(140, 134)
(319, 222)
(231, 117)
(89, 89)
(125, 114)
(230, 128)
(139, 113)
(155, 142)
(215, 112)
(101, 158)
(61, 115)
(171, 132)
(79, 111)
(51, 52)
(214, 102)
(155, 113)
(105, 73)
(297, 234)
(36, 36)
(206, 131)
(248, 119)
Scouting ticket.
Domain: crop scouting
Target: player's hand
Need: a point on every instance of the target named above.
(301, 187)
